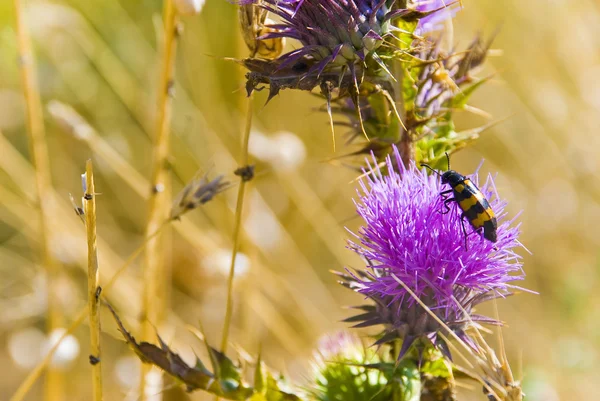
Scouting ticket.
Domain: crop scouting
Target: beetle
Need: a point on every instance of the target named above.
(475, 207)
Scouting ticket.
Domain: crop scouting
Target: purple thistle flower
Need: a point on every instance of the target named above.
(406, 237)
(331, 31)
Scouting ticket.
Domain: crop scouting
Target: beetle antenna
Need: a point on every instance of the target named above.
(432, 169)
(448, 158)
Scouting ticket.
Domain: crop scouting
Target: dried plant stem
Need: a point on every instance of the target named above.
(204, 241)
(30, 380)
(237, 227)
(156, 278)
(89, 207)
(39, 153)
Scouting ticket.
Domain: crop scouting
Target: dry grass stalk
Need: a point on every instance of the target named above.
(496, 378)
(296, 188)
(35, 374)
(64, 220)
(76, 125)
(156, 279)
(89, 208)
(30, 380)
(202, 240)
(237, 225)
(39, 154)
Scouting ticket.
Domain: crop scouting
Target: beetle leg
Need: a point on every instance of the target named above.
(446, 207)
(445, 193)
(462, 223)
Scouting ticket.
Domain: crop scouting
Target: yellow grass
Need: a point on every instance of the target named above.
(89, 208)
(39, 154)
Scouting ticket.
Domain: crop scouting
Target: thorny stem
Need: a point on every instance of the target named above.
(236, 228)
(89, 207)
(26, 385)
(39, 153)
(156, 275)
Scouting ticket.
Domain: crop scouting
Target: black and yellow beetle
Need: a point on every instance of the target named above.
(475, 207)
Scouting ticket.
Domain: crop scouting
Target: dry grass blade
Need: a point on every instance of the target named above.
(496, 370)
(39, 152)
(89, 208)
(157, 278)
(468, 349)
(295, 185)
(26, 385)
(30, 380)
(76, 125)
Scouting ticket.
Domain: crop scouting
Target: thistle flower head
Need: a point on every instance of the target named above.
(342, 42)
(332, 30)
(406, 238)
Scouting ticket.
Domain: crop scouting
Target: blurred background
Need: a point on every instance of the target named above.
(97, 68)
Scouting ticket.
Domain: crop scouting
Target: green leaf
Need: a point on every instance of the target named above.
(225, 370)
(260, 378)
(405, 34)
(274, 393)
(409, 87)
(460, 99)
(437, 368)
(258, 397)
(410, 381)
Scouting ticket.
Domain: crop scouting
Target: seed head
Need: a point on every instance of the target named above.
(197, 192)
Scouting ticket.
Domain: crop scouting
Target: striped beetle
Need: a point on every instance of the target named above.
(475, 207)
